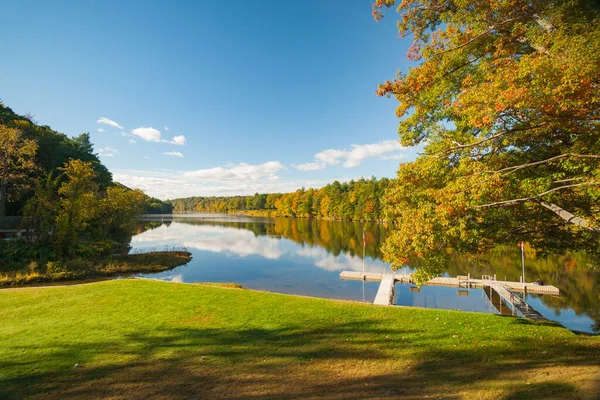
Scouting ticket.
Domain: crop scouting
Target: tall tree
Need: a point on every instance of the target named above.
(79, 200)
(39, 213)
(505, 99)
(119, 211)
(16, 162)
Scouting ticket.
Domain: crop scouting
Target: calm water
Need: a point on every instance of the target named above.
(305, 257)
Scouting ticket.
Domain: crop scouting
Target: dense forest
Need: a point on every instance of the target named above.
(352, 201)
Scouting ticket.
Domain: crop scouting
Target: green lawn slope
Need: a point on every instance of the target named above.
(147, 339)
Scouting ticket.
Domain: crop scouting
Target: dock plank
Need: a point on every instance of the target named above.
(385, 294)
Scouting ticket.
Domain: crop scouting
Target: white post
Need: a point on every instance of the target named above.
(363, 290)
(523, 261)
(364, 245)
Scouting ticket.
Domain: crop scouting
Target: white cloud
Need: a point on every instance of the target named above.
(167, 129)
(241, 172)
(328, 262)
(150, 134)
(132, 141)
(100, 129)
(107, 152)
(146, 157)
(179, 140)
(355, 156)
(107, 121)
(173, 153)
(176, 184)
(399, 156)
(313, 166)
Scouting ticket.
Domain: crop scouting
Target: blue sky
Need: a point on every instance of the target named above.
(187, 98)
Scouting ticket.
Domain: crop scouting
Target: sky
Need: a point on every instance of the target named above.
(203, 98)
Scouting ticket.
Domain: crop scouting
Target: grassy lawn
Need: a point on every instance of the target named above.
(149, 339)
(146, 263)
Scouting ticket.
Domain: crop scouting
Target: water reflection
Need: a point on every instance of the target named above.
(215, 239)
(447, 298)
(257, 254)
(305, 257)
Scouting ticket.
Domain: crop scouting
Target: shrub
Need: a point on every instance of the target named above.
(55, 267)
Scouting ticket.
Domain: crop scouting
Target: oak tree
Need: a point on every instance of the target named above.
(504, 98)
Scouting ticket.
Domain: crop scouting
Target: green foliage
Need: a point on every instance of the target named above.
(55, 267)
(16, 162)
(54, 149)
(18, 251)
(152, 205)
(41, 209)
(350, 201)
(505, 101)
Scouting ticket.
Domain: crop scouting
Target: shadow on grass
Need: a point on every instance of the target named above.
(352, 360)
(545, 390)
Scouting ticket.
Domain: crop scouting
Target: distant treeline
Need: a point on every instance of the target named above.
(351, 201)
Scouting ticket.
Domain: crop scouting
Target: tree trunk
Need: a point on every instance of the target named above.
(567, 216)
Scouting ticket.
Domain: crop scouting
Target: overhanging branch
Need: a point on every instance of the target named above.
(537, 196)
(569, 217)
(564, 214)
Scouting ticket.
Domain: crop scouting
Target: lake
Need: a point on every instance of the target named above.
(305, 257)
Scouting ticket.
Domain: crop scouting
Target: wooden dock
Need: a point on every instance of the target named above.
(505, 289)
(385, 294)
(467, 282)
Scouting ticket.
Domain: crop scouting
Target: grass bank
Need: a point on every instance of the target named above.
(152, 262)
(150, 339)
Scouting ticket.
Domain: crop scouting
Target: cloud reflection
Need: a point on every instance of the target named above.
(329, 262)
(216, 239)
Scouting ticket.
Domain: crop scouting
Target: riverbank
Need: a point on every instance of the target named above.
(266, 214)
(141, 338)
(122, 265)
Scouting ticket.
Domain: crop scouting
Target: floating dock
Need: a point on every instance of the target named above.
(504, 289)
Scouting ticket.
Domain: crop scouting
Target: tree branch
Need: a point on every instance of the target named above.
(524, 199)
(497, 135)
(561, 212)
(521, 166)
(490, 29)
(567, 216)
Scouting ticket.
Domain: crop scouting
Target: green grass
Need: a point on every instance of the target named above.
(146, 263)
(150, 339)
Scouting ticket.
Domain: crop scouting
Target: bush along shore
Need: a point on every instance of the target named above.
(118, 265)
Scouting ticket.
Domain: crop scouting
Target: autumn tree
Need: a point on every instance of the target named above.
(79, 204)
(504, 97)
(119, 210)
(39, 213)
(16, 162)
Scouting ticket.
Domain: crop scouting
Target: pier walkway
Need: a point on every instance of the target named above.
(505, 289)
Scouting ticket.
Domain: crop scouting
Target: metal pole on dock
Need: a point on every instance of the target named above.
(364, 245)
(523, 262)
(363, 281)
